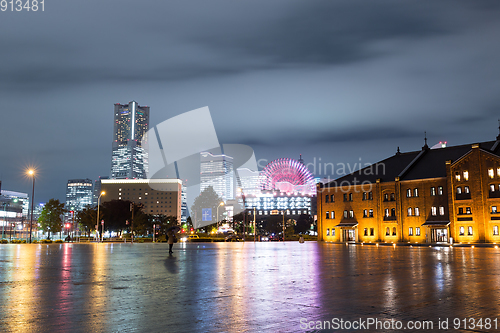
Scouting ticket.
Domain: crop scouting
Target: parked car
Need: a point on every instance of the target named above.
(233, 238)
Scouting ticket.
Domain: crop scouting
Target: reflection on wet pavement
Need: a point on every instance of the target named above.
(238, 287)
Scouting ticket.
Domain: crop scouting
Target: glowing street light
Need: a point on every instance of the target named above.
(97, 225)
(31, 172)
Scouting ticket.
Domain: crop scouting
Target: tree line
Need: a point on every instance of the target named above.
(117, 216)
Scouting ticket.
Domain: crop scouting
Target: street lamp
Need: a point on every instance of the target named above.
(31, 172)
(97, 225)
(221, 204)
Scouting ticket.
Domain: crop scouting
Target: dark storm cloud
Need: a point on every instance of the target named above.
(213, 43)
(326, 32)
(338, 79)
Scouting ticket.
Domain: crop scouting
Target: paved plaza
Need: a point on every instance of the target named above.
(240, 287)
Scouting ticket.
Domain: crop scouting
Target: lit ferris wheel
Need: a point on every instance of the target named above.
(287, 175)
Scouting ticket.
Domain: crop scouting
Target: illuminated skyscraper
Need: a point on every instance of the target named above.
(217, 171)
(79, 194)
(129, 158)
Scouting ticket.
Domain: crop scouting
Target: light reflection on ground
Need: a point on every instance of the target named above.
(238, 287)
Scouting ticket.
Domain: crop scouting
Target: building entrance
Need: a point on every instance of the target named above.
(439, 235)
(349, 235)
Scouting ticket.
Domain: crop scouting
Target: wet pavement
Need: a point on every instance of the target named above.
(241, 287)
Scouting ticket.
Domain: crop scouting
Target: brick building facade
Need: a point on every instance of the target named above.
(449, 194)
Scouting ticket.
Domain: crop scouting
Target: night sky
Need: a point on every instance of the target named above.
(336, 80)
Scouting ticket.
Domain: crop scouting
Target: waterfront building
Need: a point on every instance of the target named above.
(443, 195)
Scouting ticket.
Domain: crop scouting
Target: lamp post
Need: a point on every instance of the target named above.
(284, 225)
(244, 212)
(5, 204)
(97, 225)
(31, 172)
(221, 204)
(254, 225)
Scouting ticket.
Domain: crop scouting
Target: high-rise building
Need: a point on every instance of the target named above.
(79, 194)
(184, 209)
(129, 158)
(97, 189)
(217, 171)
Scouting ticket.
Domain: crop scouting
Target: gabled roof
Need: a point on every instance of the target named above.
(423, 164)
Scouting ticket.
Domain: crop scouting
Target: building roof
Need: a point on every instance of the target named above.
(423, 164)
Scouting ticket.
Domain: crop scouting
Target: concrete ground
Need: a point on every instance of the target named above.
(243, 287)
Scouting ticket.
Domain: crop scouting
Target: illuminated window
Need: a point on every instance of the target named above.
(417, 231)
(415, 192)
(332, 198)
(333, 232)
(370, 196)
(328, 231)
(466, 175)
(366, 232)
(469, 231)
(440, 190)
(386, 212)
(466, 189)
(365, 213)
(417, 211)
(386, 197)
(327, 215)
(370, 213)
(410, 231)
(433, 191)
(491, 174)
(394, 231)
(365, 196)
(492, 188)
(387, 231)
(351, 214)
(332, 216)
(350, 196)
(434, 211)
(462, 231)
(408, 193)
(441, 210)
(393, 212)
(345, 214)
(498, 172)
(372, 232)
(495, 230)
(409, 211)
(459, 190)
(457, 176)
(392, 196)
(493, 209)
(468, 210)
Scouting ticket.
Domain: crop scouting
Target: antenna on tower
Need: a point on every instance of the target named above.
(425, 141)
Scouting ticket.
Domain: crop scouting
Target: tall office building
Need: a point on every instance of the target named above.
(217, 171)
(79, 194)
(97, 189)
(129, 158)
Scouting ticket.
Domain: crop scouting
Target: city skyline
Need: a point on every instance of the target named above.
(332, 80)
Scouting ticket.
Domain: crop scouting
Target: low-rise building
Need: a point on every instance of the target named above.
(158, 196)
(449, 194)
